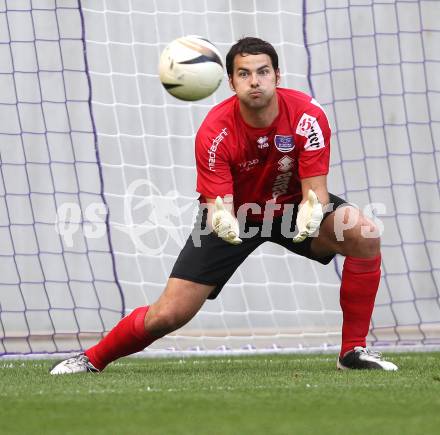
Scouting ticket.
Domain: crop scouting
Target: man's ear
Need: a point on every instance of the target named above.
(278, 77)
(231, 85)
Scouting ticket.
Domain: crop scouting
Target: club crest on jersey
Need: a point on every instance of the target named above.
(262, 142)
(284, 143)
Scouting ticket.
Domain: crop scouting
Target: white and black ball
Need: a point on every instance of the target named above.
(190, 68)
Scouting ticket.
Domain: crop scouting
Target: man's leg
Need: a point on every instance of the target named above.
(177, 305)
(360, 244)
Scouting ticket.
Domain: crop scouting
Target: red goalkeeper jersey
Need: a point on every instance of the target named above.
(261, 165)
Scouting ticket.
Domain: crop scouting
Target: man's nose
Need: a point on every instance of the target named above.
(254, 80)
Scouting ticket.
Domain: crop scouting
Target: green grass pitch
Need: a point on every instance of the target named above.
(270, 394)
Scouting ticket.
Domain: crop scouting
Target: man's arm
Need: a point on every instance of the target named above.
(222, 220)
(310, 214)
(318, 185)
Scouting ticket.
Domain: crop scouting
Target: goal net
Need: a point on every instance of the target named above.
(97, 179)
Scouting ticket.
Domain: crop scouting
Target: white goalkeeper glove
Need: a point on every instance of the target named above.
(224, 224)
(309, 217)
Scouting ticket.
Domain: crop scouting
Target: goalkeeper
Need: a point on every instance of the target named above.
(262, 156)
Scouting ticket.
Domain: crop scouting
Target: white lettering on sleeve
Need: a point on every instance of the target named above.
(213, 149)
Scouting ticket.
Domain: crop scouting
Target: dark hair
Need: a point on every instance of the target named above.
(250, 45)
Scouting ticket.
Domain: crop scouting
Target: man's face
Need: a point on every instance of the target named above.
(254, 80)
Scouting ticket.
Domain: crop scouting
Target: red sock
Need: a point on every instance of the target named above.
(127, 337)
(360, 281)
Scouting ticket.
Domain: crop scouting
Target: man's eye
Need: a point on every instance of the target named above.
(242, 74)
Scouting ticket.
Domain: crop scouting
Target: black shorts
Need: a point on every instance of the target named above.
(207, 259)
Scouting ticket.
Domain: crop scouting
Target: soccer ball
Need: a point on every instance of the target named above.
(190, 68)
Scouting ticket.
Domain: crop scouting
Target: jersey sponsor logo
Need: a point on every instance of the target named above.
(309, 127)
(248, 165)
(281, 184)
(213, 149)
(262, 142)
(284, 143)
(285, 163)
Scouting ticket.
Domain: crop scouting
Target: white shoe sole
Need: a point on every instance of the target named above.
(385, 365)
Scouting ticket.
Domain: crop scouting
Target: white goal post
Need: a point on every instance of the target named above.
(97, 177)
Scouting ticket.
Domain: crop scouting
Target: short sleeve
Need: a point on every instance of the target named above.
(314, 134)
(214, 176)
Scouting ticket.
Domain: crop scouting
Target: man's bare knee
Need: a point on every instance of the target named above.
(163, 321)
(177, 305)
(363, 240)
